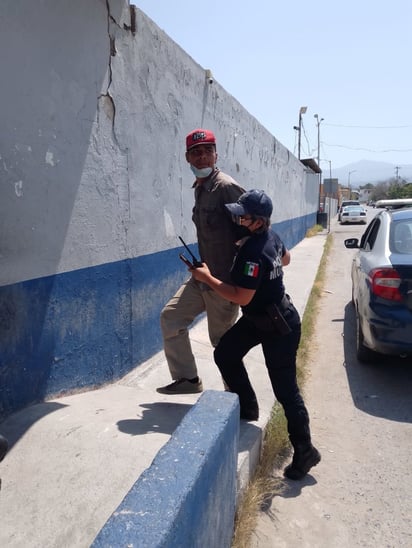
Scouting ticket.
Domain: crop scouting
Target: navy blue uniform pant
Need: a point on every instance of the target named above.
(280, 357)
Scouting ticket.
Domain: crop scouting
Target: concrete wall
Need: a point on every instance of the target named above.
(95, 104)
(187, 497)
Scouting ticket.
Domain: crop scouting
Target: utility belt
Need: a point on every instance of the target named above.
(278, 318)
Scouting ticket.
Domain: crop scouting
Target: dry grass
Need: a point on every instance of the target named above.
(313, 231)
(276, 448)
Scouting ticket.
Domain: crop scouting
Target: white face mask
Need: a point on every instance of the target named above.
(201, 173)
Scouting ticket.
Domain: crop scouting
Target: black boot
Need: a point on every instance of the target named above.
(4, 446)
(304, 458)
(249, 411)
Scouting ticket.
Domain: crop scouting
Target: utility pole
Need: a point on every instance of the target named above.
(349, 188)
(318, 122)
(397, 168)
(330, 178)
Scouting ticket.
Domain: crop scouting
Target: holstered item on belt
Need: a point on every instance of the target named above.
(278, 319)
(272, 318)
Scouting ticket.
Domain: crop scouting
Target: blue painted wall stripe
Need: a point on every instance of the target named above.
(91, 326)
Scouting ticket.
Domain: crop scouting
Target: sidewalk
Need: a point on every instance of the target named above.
(72, 460)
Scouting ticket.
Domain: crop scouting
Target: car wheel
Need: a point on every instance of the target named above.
(363, 353)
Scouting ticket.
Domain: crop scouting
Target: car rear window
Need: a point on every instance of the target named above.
(350, 203)
(401, 237)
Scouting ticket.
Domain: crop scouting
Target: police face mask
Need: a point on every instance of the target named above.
(240, 230)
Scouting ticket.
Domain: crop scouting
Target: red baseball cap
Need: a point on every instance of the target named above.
(200, 137)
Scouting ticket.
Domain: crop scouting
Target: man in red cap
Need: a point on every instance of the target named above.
(216, 235)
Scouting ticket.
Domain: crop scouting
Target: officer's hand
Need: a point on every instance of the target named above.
(201, 273)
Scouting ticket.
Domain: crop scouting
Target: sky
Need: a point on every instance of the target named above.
(349, 63)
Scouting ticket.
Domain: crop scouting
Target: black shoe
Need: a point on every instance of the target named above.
(182, 386)
(249, 412)
(302, 462)
(4, 446)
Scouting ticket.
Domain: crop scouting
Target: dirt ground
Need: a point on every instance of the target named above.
(360, 493)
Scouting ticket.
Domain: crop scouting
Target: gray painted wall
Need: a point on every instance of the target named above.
(96, 102)
(93, 125)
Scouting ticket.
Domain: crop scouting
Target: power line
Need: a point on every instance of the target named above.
(368, 127)
(306, 139)
(369, 149)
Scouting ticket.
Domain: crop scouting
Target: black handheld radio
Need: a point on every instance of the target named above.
(187, 262)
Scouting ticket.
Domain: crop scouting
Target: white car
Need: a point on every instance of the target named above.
(353, 214)
(346, 203)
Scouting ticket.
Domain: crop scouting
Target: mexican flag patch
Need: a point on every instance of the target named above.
(251, 269)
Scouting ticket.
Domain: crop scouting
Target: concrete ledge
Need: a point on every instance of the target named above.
(187, 497)
(250, 450)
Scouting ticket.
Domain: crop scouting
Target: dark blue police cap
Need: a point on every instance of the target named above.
(253, 202)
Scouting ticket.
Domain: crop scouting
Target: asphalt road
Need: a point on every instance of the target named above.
(361, 415)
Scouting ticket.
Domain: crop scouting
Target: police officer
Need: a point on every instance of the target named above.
(268, 318)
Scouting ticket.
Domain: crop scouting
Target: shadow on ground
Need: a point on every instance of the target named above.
(381, 388)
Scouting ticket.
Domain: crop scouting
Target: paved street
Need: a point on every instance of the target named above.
(361, 415)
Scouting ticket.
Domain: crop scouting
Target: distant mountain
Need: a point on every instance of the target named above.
(366, 171)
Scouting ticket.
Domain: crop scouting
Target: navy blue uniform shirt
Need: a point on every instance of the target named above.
(258, 265)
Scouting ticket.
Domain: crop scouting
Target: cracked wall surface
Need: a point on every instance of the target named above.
(94, 116)
(95, 188)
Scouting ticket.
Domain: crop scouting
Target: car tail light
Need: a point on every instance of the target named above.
(385, 283)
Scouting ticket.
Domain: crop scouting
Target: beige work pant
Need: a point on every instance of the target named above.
(189, 302)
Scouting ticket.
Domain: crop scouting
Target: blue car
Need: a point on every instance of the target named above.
(382, 282)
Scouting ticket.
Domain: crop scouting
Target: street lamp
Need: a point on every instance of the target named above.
(349, 174)
(302, 110)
